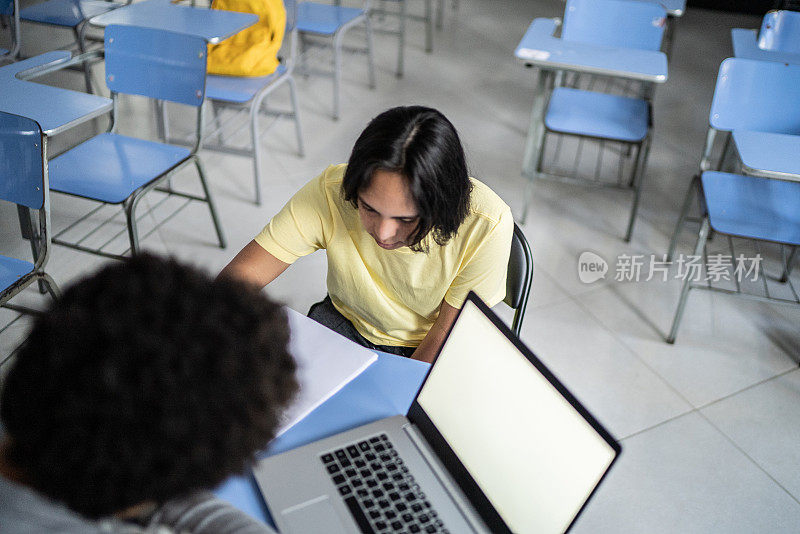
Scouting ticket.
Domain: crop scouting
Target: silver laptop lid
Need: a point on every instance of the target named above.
(525, 452)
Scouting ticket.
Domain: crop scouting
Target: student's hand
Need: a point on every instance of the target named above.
(429, 347)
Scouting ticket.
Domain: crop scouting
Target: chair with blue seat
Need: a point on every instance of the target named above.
(780, 32)
(23, 181)
(9, 10)
(250, 94)
(111, 168)
(73, 15)
(590, 114)
(755, 96)
(333, 21)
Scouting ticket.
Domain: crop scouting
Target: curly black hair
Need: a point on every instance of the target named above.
(423, 146)
(146, 381)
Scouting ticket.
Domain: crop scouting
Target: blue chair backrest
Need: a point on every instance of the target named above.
(21, 161)
(156, 63)
(780, 32)
(621, 23)
(762, 96)
(6, 7)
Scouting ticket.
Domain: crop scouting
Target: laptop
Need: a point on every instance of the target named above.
(493, 442)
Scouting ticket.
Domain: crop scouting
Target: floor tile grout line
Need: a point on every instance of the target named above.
(751, 386)
(627, 347)
(758, 465)
(662, 423)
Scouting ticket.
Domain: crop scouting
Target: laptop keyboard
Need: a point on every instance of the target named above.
(378, 489)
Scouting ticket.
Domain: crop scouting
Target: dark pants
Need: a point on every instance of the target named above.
(326, 314)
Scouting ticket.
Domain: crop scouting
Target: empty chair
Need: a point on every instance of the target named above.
(10, 10)
(70, 14)
(250, 94)
(602, 116)
(332, 22)
(116, 169)
(758, 97)
(23, 181)
(519, 277)
(780, 32)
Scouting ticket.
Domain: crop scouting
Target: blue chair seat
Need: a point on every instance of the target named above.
(593, 114)
(239, 89)
(324, 19)
(65, 12)
(758, 208)
(11, 270)
(110, 167)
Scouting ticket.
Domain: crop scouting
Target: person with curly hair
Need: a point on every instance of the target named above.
(145, 385)
(407, 234)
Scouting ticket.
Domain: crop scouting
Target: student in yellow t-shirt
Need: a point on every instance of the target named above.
(407, 232)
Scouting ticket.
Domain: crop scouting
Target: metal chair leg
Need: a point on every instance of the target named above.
(428, 26)
(133, 231)
(298, 130)
(789, 263)
(210, 201)
(401, 39)
(255, 140)
(370, 53)
(337, 71)
(217, 121)
(638, 180)
(687, 201)
(52, 288)
(87, 75)
(687, 284)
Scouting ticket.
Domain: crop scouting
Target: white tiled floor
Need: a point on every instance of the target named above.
(709, 426)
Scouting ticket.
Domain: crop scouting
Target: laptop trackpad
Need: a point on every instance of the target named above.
(317, 515)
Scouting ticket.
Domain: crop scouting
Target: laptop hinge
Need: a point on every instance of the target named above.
(461, 502)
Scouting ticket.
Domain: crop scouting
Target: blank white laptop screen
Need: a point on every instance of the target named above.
(531, 452)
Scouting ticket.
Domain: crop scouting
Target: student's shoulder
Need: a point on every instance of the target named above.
(325, 186)
(487, 205)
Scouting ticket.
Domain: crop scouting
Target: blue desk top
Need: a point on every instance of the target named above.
(213, 25)
(538, 47)
(745, 45)
(386, 388)
(770, 155)
(674, 8)
(54, 108)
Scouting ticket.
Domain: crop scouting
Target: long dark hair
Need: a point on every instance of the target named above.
(423, 146)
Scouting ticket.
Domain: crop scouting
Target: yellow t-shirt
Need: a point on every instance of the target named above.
(392, 297)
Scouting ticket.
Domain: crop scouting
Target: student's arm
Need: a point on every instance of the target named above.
(255, 265)
(427, 350)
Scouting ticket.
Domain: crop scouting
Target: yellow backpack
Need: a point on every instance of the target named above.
(254, 50)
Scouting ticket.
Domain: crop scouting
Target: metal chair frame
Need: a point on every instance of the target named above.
(549, 81)
(721, 122)
(131, 203)
(10, 9)
(40, 238)
(519, 278)
(78, 30)
(255, 107)
(403, 15)
(309, 38)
